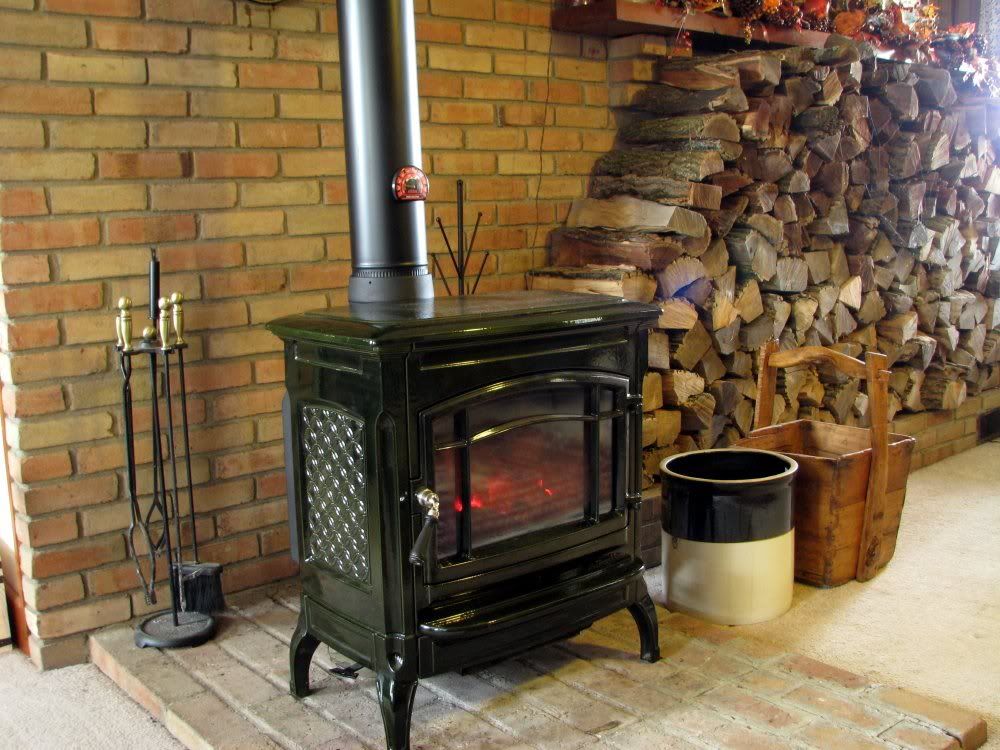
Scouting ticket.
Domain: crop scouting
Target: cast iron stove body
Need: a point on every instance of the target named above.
(463, 471)
(516, 418)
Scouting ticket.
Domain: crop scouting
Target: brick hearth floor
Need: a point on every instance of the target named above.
(712, 689)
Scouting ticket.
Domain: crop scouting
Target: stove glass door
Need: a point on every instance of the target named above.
(526, 459)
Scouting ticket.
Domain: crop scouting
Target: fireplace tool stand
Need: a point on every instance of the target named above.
(155, 531)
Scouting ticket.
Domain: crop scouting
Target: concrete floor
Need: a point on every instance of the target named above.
(929, 622)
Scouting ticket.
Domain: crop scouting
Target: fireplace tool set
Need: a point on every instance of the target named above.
(195, 587)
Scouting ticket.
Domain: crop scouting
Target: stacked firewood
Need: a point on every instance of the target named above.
(817, 196)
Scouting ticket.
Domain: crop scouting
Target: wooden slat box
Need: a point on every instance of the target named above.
(830, 493)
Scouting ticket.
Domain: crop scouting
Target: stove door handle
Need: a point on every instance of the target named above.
(430, 502)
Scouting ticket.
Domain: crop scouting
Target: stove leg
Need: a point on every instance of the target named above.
(644, 614)
(396, 700)
(301, 652)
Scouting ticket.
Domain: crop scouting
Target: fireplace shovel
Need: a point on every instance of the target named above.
(199, 585)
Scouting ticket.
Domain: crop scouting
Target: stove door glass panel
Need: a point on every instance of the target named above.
(525, 462)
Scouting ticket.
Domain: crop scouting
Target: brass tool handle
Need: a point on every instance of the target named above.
(431, 503)
(177, 308)
(123, 324)
(164, 323)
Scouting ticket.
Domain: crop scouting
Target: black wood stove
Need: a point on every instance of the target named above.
(464, 472)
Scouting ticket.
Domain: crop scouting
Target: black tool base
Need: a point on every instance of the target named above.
(159, 631)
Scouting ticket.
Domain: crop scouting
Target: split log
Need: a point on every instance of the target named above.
(791, 275)
(679, 274)
(898, 328)
(753, 255)
(663, 190)
(627, 213)
(688, 347)
(658, 350)
(692, 166)
(676, 314)
(670, 100)
(943, 389)
(709, 126)
(680, 385)
(616, 281)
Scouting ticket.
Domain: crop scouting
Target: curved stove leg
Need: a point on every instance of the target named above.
(395, 698)
(643, 612)
(301, 651)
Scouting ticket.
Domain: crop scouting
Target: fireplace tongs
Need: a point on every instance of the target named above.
(430, 502)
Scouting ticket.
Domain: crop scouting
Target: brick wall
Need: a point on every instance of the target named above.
(212, 129)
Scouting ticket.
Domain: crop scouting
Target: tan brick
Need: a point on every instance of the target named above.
(285, 250)
(42, 30)
(151, 229)
(26, 165)
(95, 68)
(833, 706)
(269, 428)
(316, 219)
(138, 37)
(289, 193)
(104, 263)
(278, 135)
(313, 163)
(494, 88)
(558, 92)
(335, 191)
(521, 64)
(459, 58)
(42, 595)
(464, 163)
(178, 197)
(256, 572)
(42, 532)
(913, 736)
(266, 309)
(27, 201)
(239, 343)
(192, 134)
(140, 102)
(442, 32)
(38, 301)
(29, 402)
(97, 457)
(527, 114)
(316, 276)
(46, 235)
(817, 670)
(968, 728)
(24, 269)
(66, 495)
(331, 133)
(308, 48)
(462, 9)
(80, 618)
(274, 540)
(22, 133)
(113, 579)
(201, 256)
(278, 75)
(311, 106)
(184, 72)
(143, 165)
(525, 163)
(273, 370)
(251, 517)
(462, 113)
(232, 104)
(66, 362)
(38, 467)
(97, 134)
(189, 11)
(242, 223)
(504, 37)
(212, 165)
(120, 8)
(22, 64)
(517, 11)
(822, 735)
(582, 70)
(230, 43)
(97, 198)
(581, 117)
(244, 283)
(749, 707)
(105, 518)
(218, 376)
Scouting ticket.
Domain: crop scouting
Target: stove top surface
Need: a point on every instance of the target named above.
(451, 316)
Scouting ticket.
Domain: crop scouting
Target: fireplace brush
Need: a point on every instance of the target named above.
(195, 587)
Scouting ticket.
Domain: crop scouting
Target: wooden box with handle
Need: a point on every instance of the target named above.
(851, 483)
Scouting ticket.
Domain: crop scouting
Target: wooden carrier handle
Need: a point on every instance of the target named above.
(874, 370)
